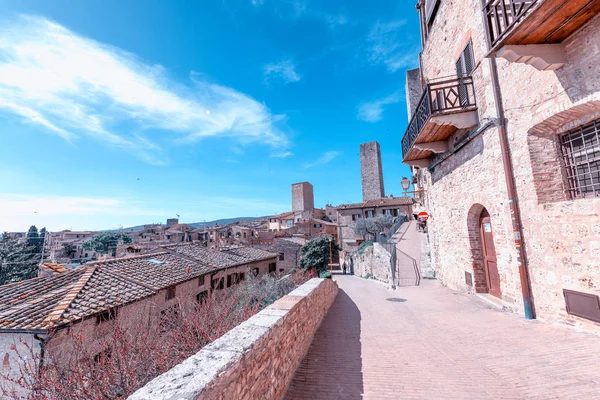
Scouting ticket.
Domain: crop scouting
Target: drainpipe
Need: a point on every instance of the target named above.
(512, 194)
(43, 341)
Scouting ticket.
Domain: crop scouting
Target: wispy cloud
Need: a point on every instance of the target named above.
(387, 46)
(18, 212)
(284, 70)
(282, 154)
(74, 86)
(327, 157)
(373, 111)
(298, 9)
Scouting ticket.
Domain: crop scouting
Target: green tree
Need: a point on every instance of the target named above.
(315, 253)
(106, 241)
(18, 261)
(69, 249)
(374, 225)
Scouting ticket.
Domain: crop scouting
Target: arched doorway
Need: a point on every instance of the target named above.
(489, 254)
(486, 278)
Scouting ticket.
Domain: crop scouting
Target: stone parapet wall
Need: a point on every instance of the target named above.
(257, 359)
(374, 262)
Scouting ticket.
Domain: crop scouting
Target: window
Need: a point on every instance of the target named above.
(242, 276)
(581, 156)
(201, 280)
(466, 62)
(168, 318)
(387, 212)
(202, 296)
(464, 67)
(369, 213)
(431, 7)
(272, 267)
(244, 235)
(281, 270)
(218, 283)
(229, 280)
(255, 271)
(170, 293)
(281, 256)
(317, 225)
(290, 222)
(355, 217)
(106, 316)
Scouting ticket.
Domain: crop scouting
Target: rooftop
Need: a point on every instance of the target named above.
(383, 202)
(48, 302)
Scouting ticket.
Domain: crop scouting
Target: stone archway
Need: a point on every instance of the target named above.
(476, 246)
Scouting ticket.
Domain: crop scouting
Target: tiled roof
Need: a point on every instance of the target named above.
(221, 259)
(283, 215)
(50, 301)
(383, 202)
(53, 268)
(156, 270)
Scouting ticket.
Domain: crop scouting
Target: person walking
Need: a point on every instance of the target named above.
(344, 267)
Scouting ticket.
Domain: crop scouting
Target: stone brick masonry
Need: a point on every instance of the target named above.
(257, 359)
(562, 236)
(371, 171)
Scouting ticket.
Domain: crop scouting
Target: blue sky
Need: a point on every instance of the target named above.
(127, 112)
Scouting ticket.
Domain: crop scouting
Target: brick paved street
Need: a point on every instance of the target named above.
(440, 345)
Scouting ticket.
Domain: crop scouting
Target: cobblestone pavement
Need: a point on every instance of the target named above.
(428, 342)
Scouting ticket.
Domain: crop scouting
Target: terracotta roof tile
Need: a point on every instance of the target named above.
(383, 202)
(50, 301)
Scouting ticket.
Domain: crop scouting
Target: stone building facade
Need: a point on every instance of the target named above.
(550, 100)
(303, 200)
(371, 171)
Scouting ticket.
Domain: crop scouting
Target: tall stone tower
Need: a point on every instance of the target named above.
(371, 171)
(303, 200)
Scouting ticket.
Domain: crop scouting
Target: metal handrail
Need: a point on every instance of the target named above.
(463, 93)
(503, 15)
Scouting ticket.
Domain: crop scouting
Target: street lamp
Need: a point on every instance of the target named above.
(405, 184)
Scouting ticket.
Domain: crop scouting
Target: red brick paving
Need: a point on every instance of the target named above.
(440, 345)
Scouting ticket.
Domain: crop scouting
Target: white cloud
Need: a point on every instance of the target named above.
(300, 9)
(373, 110)
(327, 157)
(18, 212)
(282, 154)
(284, 70)
(74, 86)
(386, 45)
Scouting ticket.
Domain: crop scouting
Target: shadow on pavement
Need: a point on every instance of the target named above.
(332, 368)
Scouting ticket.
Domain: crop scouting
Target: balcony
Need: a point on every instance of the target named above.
(445, 106)
(531, 31)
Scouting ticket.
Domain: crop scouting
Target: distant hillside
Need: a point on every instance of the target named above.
(225, 221)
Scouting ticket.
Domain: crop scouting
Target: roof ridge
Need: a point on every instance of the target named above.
(147, 255)
(61, 307)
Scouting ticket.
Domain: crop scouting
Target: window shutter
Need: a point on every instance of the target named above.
(430, 6)
(469, 59)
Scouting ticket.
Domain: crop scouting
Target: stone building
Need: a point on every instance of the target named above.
(37, 315)
(505, 141)
(371, 171)
(303, 200)
(348, 214)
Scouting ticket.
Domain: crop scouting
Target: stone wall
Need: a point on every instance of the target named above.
(562, 236)
(257, 359)
(303, 200)
(286, 249)
(374, 262)
(371, 171)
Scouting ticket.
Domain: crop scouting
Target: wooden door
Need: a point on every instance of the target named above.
(489, 258)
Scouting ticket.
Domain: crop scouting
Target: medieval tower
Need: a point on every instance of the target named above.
(303, 201)
(371, 171)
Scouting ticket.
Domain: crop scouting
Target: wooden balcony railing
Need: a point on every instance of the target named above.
(502, 15)
(439, 97)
